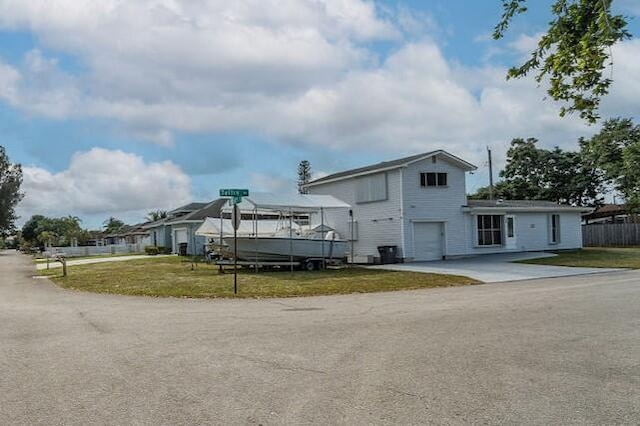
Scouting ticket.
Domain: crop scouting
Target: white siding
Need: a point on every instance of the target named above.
(379, 223)
(443, 204)
(532, 233)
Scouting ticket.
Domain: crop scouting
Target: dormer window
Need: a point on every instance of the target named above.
(433, 179)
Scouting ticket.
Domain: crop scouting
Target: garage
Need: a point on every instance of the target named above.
(180, 236)
(427, 241)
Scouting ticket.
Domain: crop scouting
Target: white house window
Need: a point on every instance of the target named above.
(489, 230)
(433, 179)
(510, 227)
(371, 188)
(554, 231)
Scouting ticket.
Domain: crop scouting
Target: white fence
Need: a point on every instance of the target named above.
(95, 250)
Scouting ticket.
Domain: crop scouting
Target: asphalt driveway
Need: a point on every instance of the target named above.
(494, 268)
(555, 351)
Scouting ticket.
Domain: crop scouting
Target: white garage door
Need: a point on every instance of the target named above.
(181, 236)
(427, 240)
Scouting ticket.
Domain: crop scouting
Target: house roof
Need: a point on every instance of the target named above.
(393, 164)
(608, 210)
(188, 208)
(522, 205)
(211, 209)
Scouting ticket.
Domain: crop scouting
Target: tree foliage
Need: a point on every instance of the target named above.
(156, 215)
(533, 173)
(574, 52)
(304, 176)
(112, 225)
(615, 151)
(41, 230)
(10, 181)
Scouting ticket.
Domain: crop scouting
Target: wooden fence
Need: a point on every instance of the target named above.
(611, 235)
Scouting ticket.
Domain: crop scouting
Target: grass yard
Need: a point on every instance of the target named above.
(172, 277)
(594, 258)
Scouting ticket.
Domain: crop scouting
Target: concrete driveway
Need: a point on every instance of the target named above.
(541, 352)
(496, 267)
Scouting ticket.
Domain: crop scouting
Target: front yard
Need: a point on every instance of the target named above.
(594, 258)
(173, 277)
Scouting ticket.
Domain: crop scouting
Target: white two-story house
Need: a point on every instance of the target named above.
(419, 204)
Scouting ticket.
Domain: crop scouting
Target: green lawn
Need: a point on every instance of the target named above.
(594, 258)
(171, 277)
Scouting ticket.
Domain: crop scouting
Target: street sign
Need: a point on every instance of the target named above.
(236, 217)
(235, 194)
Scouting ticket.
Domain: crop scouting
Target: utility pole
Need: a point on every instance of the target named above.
(490, 174)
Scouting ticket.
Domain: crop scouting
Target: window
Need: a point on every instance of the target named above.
(510, 225)
(371, 188)
(554, 231)
(433, 179)
(489, 230)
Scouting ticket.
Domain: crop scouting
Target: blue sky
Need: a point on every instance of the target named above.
(118, 110)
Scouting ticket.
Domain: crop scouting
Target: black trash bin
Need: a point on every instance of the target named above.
(388, 254)
(182, 249)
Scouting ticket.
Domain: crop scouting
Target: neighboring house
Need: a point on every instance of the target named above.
(419, 204)
(183, 226)
(129, 234)
(610, 213)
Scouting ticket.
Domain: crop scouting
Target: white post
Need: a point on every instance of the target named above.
(324, 265)
(291, 238)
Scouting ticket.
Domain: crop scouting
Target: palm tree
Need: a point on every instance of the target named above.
(156, 215)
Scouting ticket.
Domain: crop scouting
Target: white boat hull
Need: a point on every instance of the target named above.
(274, 249)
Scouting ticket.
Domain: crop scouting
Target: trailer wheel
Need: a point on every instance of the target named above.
(310, 266)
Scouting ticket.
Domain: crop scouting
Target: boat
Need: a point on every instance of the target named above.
(282, 247)
(291, 238)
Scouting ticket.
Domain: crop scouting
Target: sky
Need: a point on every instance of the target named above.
(117, 108)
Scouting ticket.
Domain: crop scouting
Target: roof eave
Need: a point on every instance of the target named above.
(467, 167)
(527, 209)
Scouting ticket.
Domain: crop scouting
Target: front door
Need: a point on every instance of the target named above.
(510, 239)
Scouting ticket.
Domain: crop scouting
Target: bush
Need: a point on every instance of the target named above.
(151, 250)
(164, 250)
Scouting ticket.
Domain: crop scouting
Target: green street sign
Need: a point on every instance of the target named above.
(234, 192)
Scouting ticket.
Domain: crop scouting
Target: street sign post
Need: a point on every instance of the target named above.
(236, 217)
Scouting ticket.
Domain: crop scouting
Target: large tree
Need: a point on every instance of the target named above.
(574, 52)
(10, 195)
(40, 230)
(304, 176)
(533, 173)
(615, 150)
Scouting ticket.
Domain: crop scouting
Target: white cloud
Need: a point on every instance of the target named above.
(104, 182)
(296, 71)
(266, 182)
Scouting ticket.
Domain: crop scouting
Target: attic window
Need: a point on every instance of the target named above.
(433, 179)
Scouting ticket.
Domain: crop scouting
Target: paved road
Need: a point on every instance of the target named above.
(562, 351)
(493, 268)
